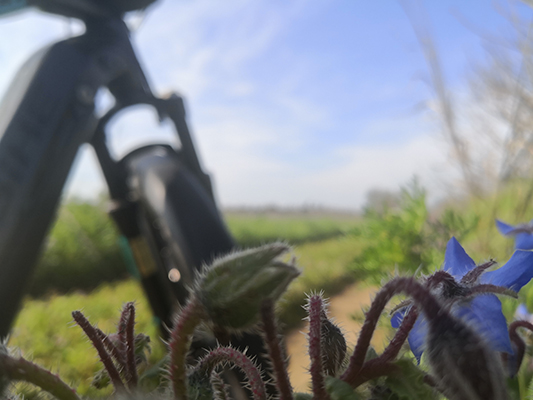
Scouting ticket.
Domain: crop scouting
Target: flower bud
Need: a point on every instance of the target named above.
(333, 346)
(463, 365)
(234, 287)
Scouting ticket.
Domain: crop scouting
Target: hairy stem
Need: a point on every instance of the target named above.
(473, 275)
(381, 365)
(409, 286)
(180, 341)
(397, 341)
(92, 334)
(374, 371)
(222, 355)
(220, 389)
(279, 363)
(131, 366)
(518, 342)
(121, 328)
(20, 369)
(489, 288)
(111, 348)
(315, 352)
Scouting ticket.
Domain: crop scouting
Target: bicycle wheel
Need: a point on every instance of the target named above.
(187, 219)
(180, 210)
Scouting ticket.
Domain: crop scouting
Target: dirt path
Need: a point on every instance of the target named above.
(342, 307)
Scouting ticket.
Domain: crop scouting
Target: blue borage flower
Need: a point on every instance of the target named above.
(483, 312)
(522, 233)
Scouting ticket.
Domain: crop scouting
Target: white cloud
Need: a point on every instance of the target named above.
(357, 169)
(383, 166)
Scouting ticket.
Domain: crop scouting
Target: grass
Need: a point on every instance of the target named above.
(254, 229)
(512, 204)
(45, 332)
(324, 268)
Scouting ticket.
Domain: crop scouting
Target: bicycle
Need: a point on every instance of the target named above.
(162, 199)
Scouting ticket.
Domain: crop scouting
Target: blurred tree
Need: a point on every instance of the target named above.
(488, 126)
(380, 201)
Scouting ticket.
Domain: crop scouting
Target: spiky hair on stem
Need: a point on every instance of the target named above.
(278, 358)
(221, 357)
(332, 338)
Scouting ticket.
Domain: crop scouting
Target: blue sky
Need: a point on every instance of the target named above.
(296, 102)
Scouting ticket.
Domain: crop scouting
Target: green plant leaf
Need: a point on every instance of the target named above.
(408, 382)
(303, 396)
(340, 390)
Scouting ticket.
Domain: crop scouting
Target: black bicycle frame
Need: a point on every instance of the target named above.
(46, 115)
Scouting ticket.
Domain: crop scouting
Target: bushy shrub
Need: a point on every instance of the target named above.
(81, 252)
(405, 237)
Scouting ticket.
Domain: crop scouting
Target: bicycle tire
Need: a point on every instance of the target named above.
(180, 208)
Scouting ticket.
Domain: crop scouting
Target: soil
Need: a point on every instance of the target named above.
(342, 308)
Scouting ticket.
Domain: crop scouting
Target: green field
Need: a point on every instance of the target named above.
(259, 227)
(83, 247)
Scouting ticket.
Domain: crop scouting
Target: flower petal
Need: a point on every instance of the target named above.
(456, 261)
(517, 272)
(522, 313)
(504, 228)
(523, 241)
(397, 318)
(484, 314)
(417, 336)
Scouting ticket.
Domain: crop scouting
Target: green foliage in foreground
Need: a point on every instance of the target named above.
(459, 362)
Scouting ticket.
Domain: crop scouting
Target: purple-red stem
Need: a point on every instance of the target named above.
(121, 329)
(19, 369)
(315, 351)
(489, 288)
(220, 389)
(397, 341)
(438, 277)
(222, 355)
(180, 340)
(131, 366)
(473, 275)
(279, 362)
(374, 371)
(517, 340)
(91, 333)
(112, 349)
(381, 365)
(409, 286)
